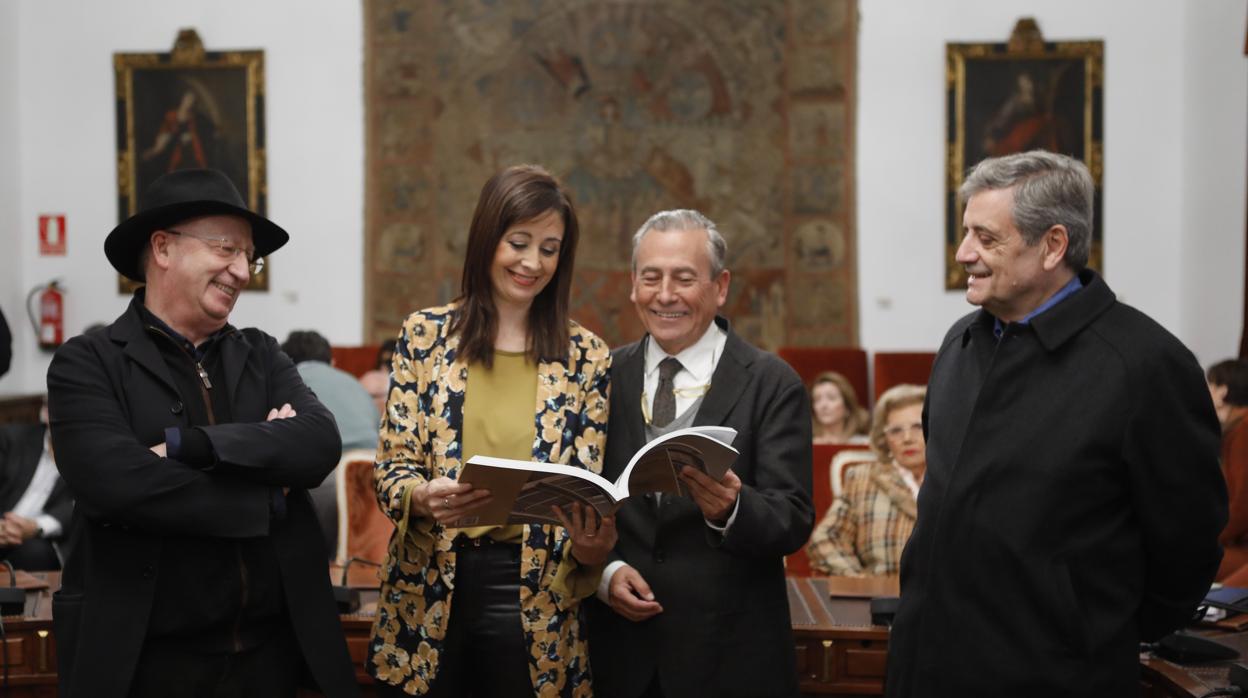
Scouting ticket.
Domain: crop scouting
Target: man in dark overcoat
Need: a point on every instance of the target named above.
(695, 597)
(189, 445)
(1073, 500)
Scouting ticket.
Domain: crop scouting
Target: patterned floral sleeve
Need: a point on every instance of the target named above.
(574, 580)
(402, 462)
(831, 548)
(592, 441)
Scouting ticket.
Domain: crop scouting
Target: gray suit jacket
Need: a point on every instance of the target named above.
(725, 627)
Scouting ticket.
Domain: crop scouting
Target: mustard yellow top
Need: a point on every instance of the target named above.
(498, 421)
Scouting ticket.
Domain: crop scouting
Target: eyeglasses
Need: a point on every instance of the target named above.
(226, 249)
(897, 430)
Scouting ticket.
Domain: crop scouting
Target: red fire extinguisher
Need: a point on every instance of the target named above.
(49, 321)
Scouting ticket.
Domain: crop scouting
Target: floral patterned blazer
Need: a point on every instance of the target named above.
(420, 441)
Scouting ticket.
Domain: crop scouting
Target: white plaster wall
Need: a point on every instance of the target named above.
(1211, 226)
(9, 176)
(314, 115)
(1175, 118)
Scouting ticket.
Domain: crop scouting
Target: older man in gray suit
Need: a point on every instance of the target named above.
(694, 601)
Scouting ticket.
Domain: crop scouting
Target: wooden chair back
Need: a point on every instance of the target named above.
(363, 529)
(355, 360)
(850, 362)
(898, 367)
(845, 460)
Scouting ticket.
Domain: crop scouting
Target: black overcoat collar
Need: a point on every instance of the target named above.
(1057, 325)
(129, 331)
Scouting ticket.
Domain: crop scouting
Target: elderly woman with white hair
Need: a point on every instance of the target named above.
(867, 526)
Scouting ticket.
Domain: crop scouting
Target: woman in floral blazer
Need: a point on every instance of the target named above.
(517, 275)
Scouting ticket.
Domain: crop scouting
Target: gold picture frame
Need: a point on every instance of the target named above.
(190, 108)
(1015, 96)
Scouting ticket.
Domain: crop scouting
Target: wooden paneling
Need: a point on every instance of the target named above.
(21, 409)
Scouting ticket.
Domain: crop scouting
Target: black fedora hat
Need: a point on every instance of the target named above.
(180, 196)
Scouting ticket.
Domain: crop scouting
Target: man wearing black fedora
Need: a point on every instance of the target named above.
(189, 445)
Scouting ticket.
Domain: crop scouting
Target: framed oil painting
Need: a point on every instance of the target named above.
(189, 109)
(1021, 95)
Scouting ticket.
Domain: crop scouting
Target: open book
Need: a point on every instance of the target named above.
(524, 492)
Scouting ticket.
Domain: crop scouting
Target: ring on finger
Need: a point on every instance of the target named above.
(446, 502)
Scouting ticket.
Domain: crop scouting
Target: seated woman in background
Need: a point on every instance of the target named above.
(837, 417)
(501, 371)
(867, 526)
(1228, 385)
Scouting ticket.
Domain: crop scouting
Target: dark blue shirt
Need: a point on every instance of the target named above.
(998, 327)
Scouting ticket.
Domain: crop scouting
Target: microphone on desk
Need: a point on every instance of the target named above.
(884, 609)
(12, 599)
(346, 598)
(1182, 648)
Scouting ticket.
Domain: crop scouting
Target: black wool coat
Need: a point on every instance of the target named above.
(1070, 510)
(110, 398)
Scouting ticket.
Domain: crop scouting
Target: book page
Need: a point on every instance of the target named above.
(545, 490)
(656, 467)
(524, 492)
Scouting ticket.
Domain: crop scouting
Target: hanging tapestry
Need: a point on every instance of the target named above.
(742, 110)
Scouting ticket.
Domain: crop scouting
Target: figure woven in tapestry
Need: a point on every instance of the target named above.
(743, 111)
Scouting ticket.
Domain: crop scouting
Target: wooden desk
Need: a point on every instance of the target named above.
(30, 645)
(1160, 678)
(838, 650)
(358, 626)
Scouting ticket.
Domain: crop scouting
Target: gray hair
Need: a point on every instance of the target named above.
(1049, 190)
(686, 219)
(895, 398)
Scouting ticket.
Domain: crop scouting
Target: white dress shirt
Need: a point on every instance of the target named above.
(697, 364)
(908, 477)
(35, 498)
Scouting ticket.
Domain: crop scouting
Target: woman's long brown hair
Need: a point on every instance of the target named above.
(517, 194)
